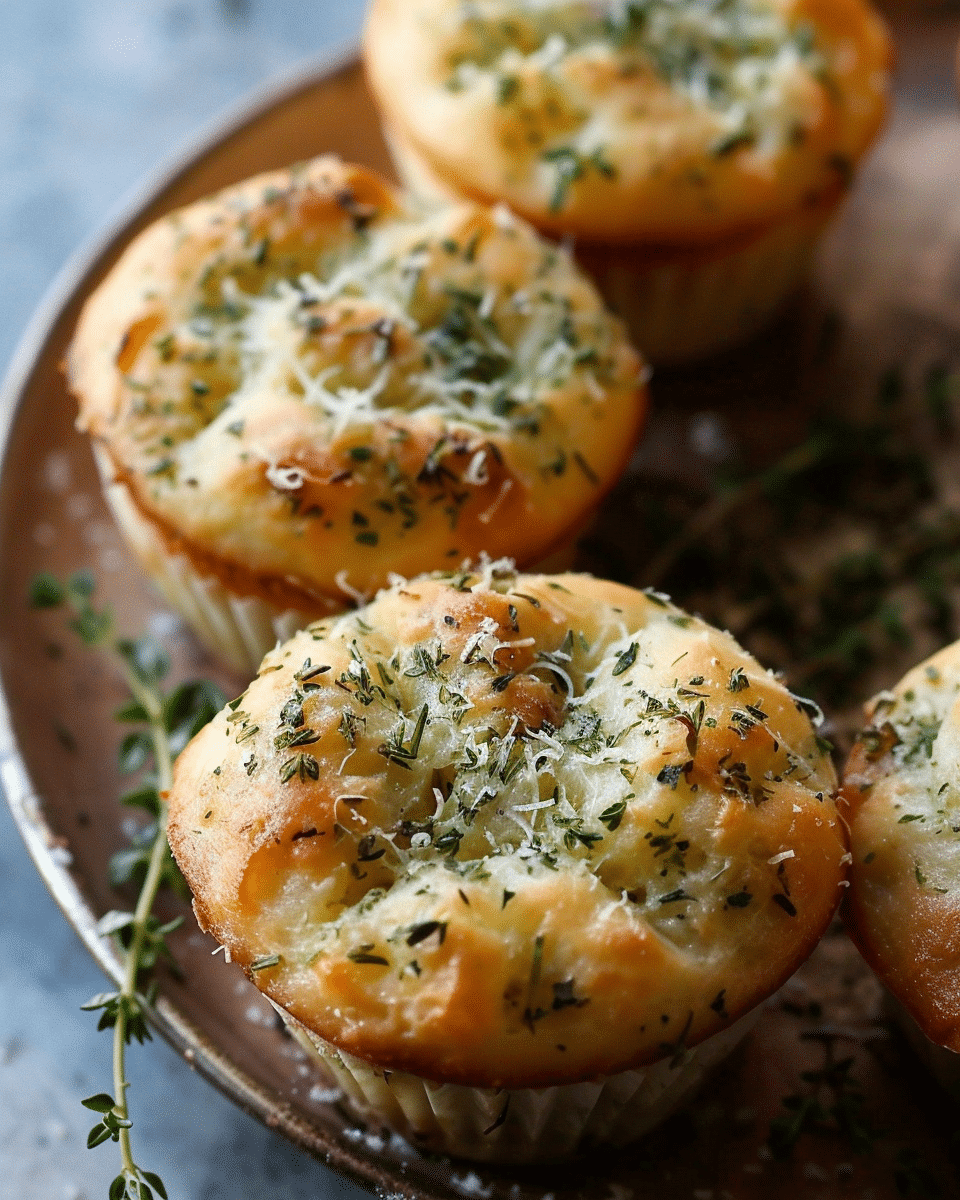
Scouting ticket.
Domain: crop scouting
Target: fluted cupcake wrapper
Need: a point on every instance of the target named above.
(237, 630)
(681, 303)
(694, 303)
(517, 1125)
(942, 1063)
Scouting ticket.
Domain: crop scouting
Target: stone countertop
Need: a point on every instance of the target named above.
(97, 94)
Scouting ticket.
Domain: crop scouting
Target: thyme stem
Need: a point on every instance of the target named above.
(168, 720)
(717, 511)
(145, 901)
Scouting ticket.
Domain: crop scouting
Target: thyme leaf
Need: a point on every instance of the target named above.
(168, 719)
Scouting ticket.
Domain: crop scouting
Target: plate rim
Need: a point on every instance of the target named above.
(72, 280)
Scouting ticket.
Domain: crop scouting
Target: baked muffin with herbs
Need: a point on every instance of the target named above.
(516, 856)
(695, 149)
(303, 384)
(901, 795)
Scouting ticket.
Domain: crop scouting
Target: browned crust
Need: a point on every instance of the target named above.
(343, 519)
(282, 592)
(690, 249)
(745, 202)
(238, 838)
(910, 935)
(516, 512)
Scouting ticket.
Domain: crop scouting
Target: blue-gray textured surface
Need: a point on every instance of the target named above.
(94, 94)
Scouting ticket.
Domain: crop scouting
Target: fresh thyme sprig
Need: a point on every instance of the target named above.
(838, 563)
(832, 1104)
(165, 722)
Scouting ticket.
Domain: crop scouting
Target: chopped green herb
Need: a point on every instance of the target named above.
(612, 816)
(626, 659)
(262, 964)
(420, 933)
(365, 958)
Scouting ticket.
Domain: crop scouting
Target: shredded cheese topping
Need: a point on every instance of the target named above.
(534, 750)
(562, 793)
(404, 316)
(305, 381)
(914, 738)
(735, 58)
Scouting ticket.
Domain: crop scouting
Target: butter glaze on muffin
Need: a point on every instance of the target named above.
(901, 794)
(512, 831)
(300, 385)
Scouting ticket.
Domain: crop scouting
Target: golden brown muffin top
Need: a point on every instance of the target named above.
(901, 796)
(634, 120)
(307, 385)
(512, 830)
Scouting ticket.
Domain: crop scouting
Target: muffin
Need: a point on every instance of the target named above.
(901, 800)
(695, 149)
(303, 384)
(516, 856)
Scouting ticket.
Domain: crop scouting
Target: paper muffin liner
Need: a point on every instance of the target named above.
(237, 630)
(518, 1125)
(943, 1064)
(679, 303)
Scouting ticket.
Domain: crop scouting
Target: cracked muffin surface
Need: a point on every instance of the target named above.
(512, 830)
(657, 122)
(301, 384)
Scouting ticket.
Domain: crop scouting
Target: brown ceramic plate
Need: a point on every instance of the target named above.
(58, 736)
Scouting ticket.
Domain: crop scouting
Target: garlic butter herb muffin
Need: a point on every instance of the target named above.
(710, 139)
(902, 795)
(302, 384)
(514, 853)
